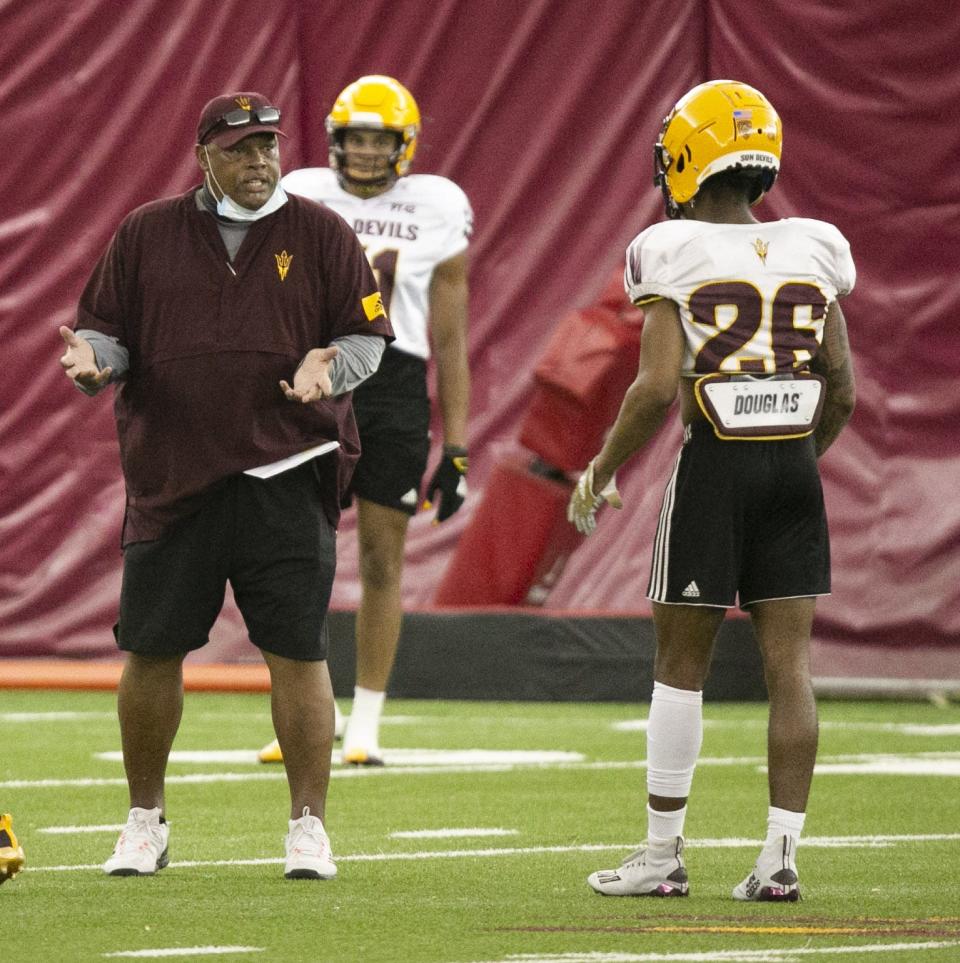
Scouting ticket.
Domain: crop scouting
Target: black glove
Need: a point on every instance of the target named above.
(450, 479)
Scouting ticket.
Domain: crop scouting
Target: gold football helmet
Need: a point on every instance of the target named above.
(375, 103)
(720, 125)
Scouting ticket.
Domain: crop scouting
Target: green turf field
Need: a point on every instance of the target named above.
(477, 847)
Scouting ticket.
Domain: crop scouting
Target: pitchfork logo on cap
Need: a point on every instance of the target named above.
(242, 102)
(283, 263)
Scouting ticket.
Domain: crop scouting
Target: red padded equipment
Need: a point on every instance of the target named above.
(589, 363)
(516, 543)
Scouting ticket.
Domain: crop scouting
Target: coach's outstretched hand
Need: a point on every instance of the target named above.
(79, 362)
(450, 480)
(311, 381)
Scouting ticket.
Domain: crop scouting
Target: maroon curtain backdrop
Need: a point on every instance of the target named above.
(544, 112)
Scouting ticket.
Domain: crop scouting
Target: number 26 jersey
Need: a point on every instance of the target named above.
(752, 297)
(419, 222)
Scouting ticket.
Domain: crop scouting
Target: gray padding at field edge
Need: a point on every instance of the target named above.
(539, 657)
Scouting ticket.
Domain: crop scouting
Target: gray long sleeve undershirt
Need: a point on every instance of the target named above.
(359, 358)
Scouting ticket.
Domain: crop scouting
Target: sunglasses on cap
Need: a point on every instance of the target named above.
(241, 117)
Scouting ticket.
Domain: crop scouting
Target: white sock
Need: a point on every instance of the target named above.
(674, 737)
(663, 827)
(363, 729)
(783, 822)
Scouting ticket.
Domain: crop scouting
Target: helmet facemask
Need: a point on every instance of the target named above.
(661, 163)
(338, 159)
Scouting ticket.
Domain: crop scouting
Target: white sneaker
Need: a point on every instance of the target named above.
(647, 872)
(308, 850)
(142, 847)
(774, 878)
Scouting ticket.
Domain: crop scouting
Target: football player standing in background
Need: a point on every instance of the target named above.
(415, 229)
(742, 320)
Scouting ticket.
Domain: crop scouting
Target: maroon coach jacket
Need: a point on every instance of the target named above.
(209, 343)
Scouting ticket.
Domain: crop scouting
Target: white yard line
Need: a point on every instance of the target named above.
(54, 716)
(451, 833)
(184, 951)
(393, 757)
(200, 777)
(623, 725)
(893, 766)
(72, 830)
(727, 956)
(904, 728)
(901, 728)
(916, 764)
(827, 842)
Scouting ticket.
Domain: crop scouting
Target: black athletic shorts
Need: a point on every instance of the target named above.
(392, 409)
(741, 518)
(270, 538)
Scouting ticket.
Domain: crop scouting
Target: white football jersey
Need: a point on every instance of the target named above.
(752, 297)
(422, 220)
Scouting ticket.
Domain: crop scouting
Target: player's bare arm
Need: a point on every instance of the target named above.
(833, 363)
(448, 332)
(653, 391)
(79, 363)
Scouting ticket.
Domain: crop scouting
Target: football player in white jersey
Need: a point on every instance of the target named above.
(742, 322)
(415, 229)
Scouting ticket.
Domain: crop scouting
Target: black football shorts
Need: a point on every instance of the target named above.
(740, 518)
(270, 538)
(392, 409)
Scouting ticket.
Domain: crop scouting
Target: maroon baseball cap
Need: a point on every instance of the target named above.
(231, 117)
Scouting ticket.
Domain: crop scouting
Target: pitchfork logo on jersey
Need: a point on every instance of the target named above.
(283, 263)
(761, 247)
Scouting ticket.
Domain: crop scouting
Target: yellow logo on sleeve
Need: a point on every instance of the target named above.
(283, 263)
(373, 306)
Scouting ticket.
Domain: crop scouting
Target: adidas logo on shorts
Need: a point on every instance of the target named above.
(691, 591)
